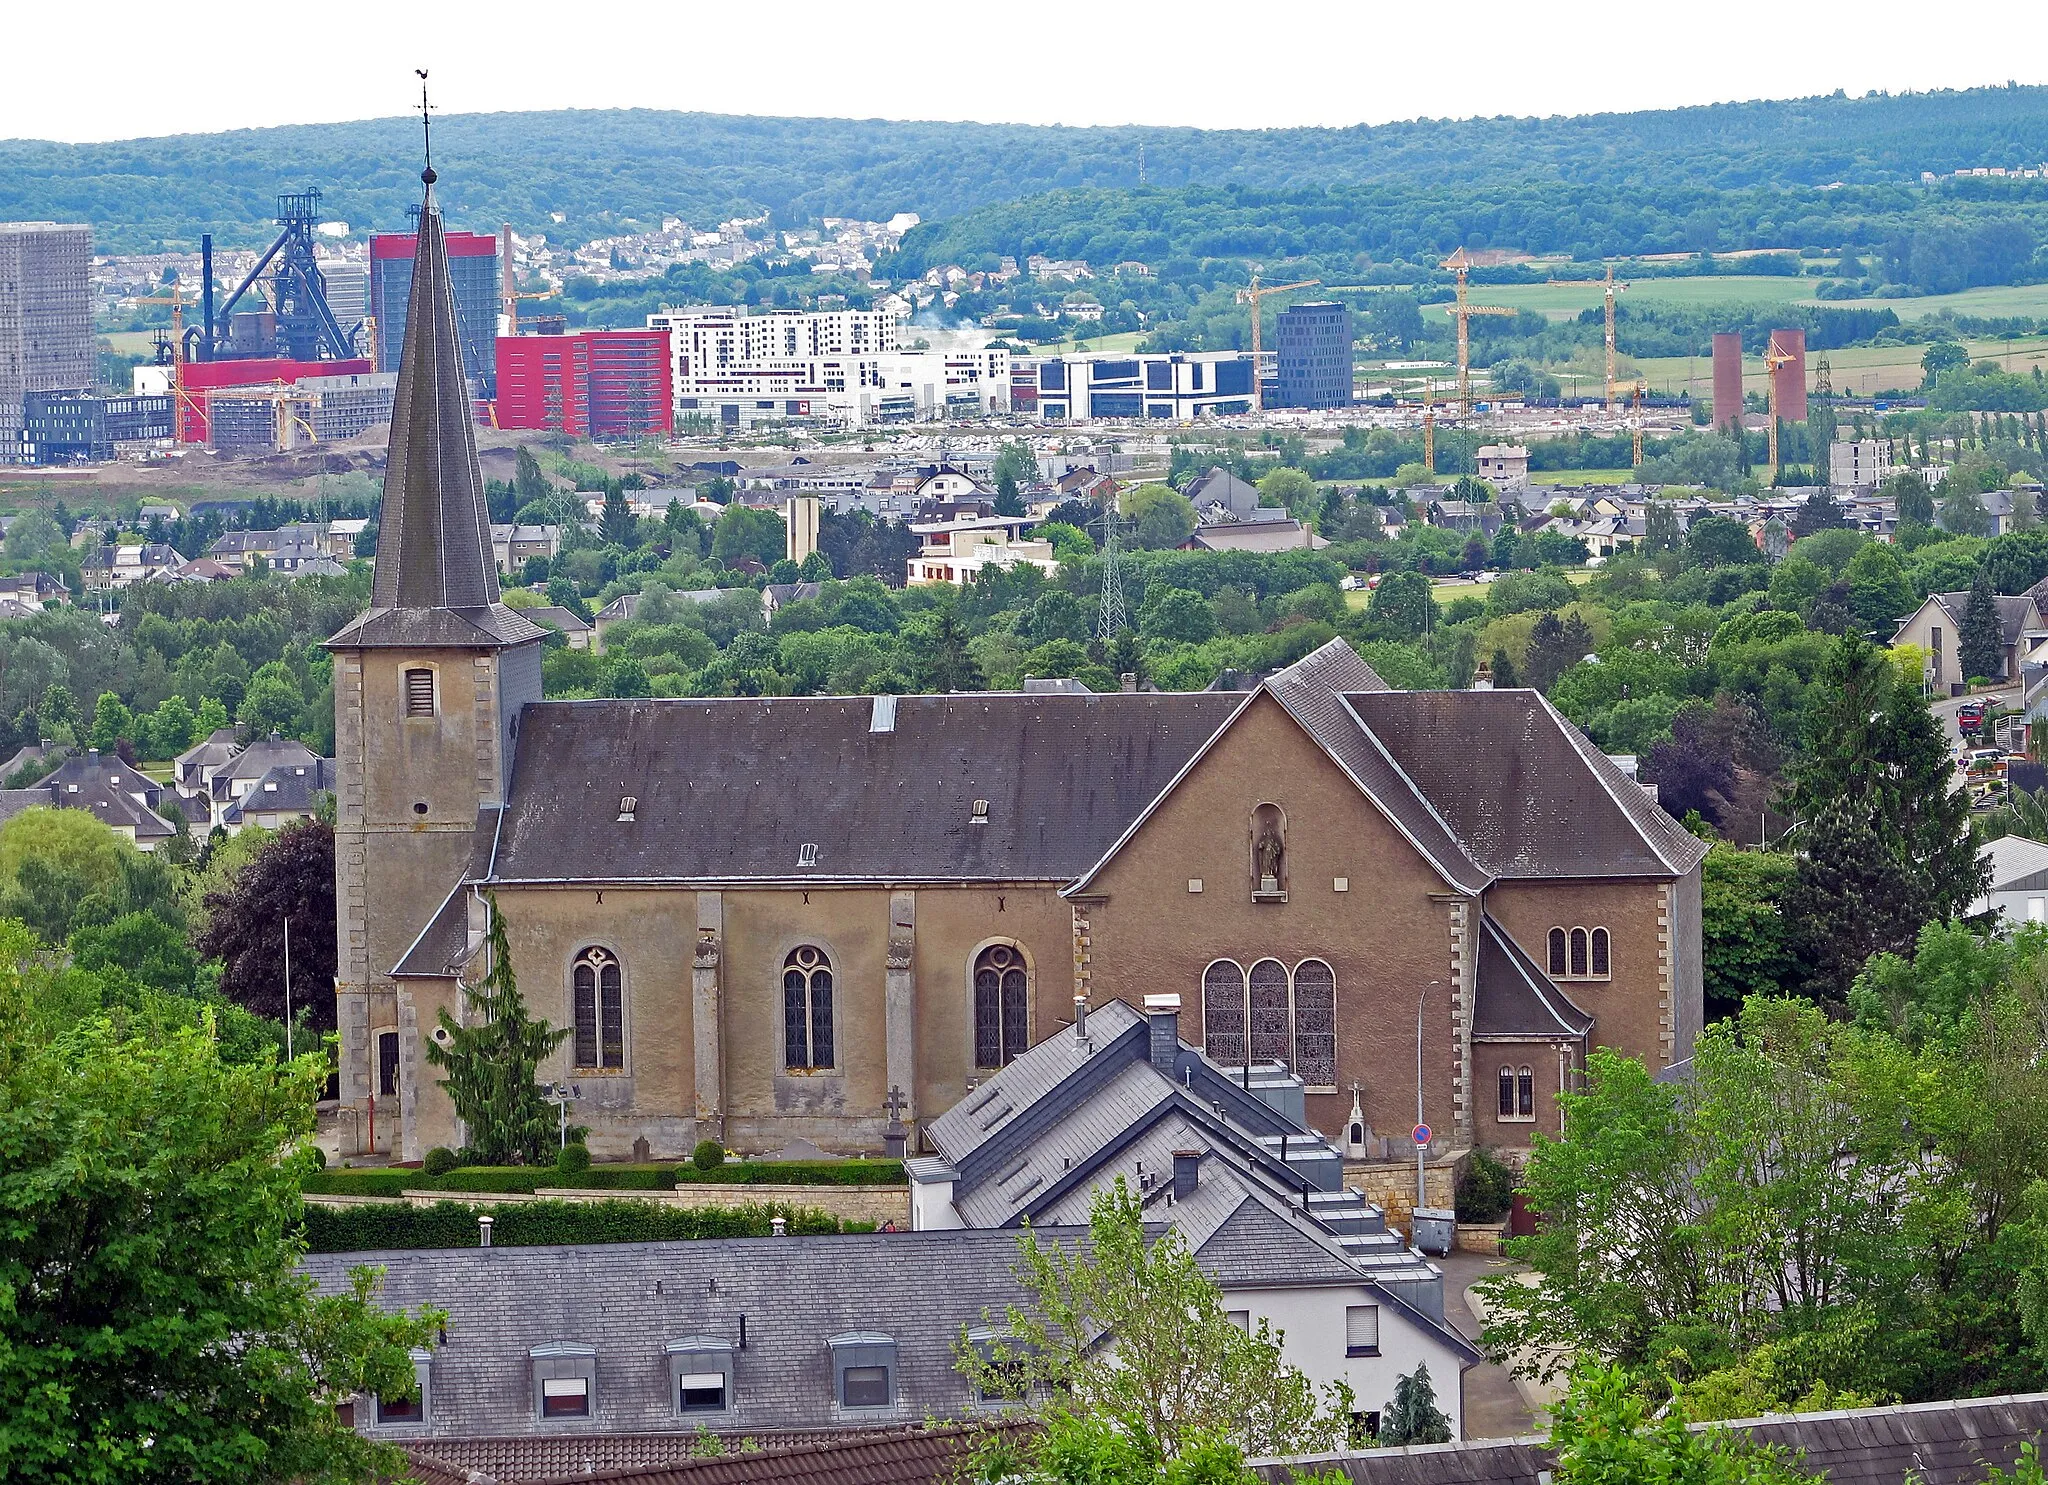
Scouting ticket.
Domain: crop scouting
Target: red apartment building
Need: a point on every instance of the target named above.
(593, 384)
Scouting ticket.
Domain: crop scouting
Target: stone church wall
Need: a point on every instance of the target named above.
(1388, 936)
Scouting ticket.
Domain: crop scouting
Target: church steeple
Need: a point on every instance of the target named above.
(436, 580)
(434, 534)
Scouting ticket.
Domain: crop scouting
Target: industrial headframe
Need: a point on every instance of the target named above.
(306, 329)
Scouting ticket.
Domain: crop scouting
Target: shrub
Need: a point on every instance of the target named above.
(449, 1224)
(709, 1155)
(319, 1156)
(440, 1160)
(574, 1160)
(799, 1173)
(1487, 1189)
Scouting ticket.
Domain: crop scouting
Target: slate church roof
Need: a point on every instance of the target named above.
(436, 579)
(884, 788)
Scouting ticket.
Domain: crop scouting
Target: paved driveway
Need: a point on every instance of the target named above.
(1494, 1405)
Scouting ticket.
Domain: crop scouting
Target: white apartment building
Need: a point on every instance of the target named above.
(1860, 463)
(841, 366)
(1178, 386)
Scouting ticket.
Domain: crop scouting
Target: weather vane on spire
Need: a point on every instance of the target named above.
(426, 128)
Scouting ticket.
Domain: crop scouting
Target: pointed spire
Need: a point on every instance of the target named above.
(437, 578)
(433, 537)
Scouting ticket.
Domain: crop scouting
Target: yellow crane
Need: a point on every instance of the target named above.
(1613, 288)
(509, 294)
(180, 398)
(1773, 360)
(1462, 312)
(1252, 296)
(1428, 429)
(1640, 389)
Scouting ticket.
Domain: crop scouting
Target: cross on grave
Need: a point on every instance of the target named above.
(896, 1138)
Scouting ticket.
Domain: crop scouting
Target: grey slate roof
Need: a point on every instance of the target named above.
(437, 580)
(1937, 1443)
(2016, 614)
(287, 787)
(1515, 997)
(919, 1455)
(259, 758)
(443, 945)
(628, 1300)
(1523, 790)
(1063, 775)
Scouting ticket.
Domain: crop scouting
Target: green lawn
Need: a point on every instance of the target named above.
(1565, 301)
(1861, 370)
(1094, 344)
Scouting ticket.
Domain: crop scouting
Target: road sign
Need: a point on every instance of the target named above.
(1422, 1135)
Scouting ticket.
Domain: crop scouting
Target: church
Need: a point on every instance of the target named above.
(828, 919)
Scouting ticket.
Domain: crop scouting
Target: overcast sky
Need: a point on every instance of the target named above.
(134, 70)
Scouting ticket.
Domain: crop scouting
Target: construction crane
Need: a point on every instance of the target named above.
(1773, 360)
(1252, 296)
(180, 398)
(509, 294)
(1462, 312)
(1428, 430)
(1613, 288)
(1637, 422)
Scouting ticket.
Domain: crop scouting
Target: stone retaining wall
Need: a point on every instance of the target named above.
(1390, 1184)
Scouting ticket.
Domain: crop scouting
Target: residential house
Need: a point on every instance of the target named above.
(120, 797)
(1504, 464)
(776, 595)
(2018, 886)
(513, 545)
(286, 792)
(1218, 495)
(1937, 626)
(119, 566)
(623, 608)
(237, 549)
(957, 551)
(343, 535)
(199, 570)
(1224, 1155)
(1267, 530)
(564, 622)
(33, 591)
(236, 778)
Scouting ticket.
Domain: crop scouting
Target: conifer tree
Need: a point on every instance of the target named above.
(1413, 1416)
(491, 1063)
(1884, 838)
(1983, 637)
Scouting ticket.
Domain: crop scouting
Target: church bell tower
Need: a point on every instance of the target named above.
(428, 684)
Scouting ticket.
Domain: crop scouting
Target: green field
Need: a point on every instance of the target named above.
(1096, 344)
(1582, 477)
(1565, 301)
(1859, 370)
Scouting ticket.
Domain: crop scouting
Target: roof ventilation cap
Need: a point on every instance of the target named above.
(627, 804)
(883, 717)
(980, 815)
(807, 853)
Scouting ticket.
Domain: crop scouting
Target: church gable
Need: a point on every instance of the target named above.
(1263, 816)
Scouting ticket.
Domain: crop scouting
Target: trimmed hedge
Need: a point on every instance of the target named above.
(449, 1224)
(795, 1173)
(526, 1179)
(518, 1179)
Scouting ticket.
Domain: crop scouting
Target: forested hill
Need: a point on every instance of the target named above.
(601, 169)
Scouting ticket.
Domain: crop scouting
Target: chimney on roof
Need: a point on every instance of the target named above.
(1162, 1017)
(483, 1231)
(92, 755)
(1187, 1173)
(1128, 681)
(1080, 1018)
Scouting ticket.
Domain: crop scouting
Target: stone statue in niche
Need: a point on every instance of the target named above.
(1269, 852)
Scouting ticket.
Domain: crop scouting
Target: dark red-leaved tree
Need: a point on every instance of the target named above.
(292, 875)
